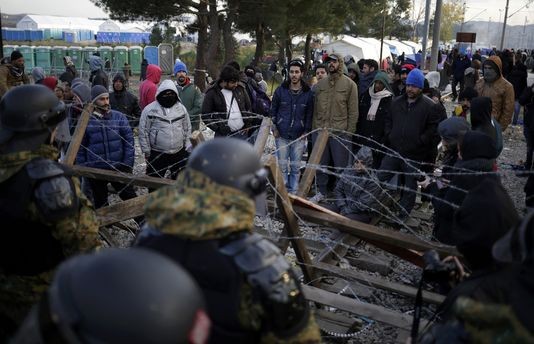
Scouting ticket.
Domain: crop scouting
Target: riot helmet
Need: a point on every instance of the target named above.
(124, 296)
(30, 110)
(231, 162)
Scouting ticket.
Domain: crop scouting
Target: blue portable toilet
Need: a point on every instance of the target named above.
(43, 58)
(166, 57)
(151, 54)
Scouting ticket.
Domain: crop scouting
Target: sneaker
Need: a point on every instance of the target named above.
(317, 198)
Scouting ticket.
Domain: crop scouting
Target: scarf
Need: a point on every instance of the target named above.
(375, 101)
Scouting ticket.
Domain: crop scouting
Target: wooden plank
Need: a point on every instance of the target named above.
(342, 243)
(314, 160)
(377, 282)
(336, 323)
(372, 233)
(263, 135)
(79, 132)
(378, 313)
(114, 176)
(196, 138)
(290, 220)
(375, 262)
(121, 211)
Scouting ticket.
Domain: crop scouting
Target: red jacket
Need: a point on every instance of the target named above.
(148, 88)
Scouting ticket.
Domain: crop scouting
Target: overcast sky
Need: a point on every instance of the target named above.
(476, 9)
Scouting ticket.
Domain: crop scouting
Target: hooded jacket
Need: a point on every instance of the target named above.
(518, 78)
(478, 157)
(359, 191)
(292, 114)
(482, 121)
(10, 76)
(501, 93)
(125, 102)
(149, 87)
(336, 102)
(165, 130)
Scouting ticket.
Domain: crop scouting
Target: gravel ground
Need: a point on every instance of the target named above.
(513, 153)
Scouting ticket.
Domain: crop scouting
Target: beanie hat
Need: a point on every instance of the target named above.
(98, 91)
(229, 73)
(234, 64)
(15, 55)
(82, 91)
(118, 77)
(451, 128)
(179, 66)
(38, 74)
(407, 68)
(50, 82)
(416, 78)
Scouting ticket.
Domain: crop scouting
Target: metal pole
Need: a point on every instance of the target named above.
(504, 24)
(435, 36)
(1, 38)
(425, 33)
(382, 36)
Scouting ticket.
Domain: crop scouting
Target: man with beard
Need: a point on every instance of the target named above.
(12, 74)
(107, 144)
(399, 85)
(410, 130)
(291, 113)
(190, 95)
(501, 92)
(369, 70)
(124, 101)
(335, 108)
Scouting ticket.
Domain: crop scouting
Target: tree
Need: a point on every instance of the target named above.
(452, 13)
(155, 36)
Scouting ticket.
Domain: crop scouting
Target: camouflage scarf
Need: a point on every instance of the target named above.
(11, 163)
(198, 208)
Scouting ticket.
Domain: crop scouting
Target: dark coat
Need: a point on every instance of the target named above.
(214, 112)
(411, 129)
(108, 143)
(373, 129)
(125, 102)
(291, 114)
(459, 66)
(518, 78)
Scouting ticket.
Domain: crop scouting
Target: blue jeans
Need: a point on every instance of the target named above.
(517, 109)
(289, 152)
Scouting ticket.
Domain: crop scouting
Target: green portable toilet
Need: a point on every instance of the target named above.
(86, 53)
(29, 59)
(43, 58)
(120, 54)
(8, 49)
(106, 53)
(57, 54)
(76, 54)
(136, 57)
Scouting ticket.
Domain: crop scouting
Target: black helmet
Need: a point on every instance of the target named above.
(29, 109)
(125, 296)
(231, 162)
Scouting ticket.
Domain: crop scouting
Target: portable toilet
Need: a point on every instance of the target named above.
(135, 53)
(76, 54)
(166, 57)
(151, 54)
(57, 53)
(106, 54)
(29, 59)
(43, 58)
(120, 54)
(8, 49)
(86, 53)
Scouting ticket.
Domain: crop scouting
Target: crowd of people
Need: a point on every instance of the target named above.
(390, 139)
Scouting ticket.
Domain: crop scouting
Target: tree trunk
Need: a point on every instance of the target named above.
(228, 37)
(214, 44)
(200, 62)
(289, 48)
(260, 43)
(307, 52)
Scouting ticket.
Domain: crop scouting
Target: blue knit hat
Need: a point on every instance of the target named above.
(179, 66)
(416, 78)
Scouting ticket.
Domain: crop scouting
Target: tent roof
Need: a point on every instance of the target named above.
(363, 47)
(58, 22)
(401, 47)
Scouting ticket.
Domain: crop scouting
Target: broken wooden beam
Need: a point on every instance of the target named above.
(315, 159)
(121, 211)
(263, 135)
(77, 137)
(121, 177)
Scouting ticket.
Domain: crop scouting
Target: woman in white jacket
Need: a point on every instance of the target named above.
(164, 132)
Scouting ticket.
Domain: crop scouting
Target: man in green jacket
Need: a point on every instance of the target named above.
(190, 95)
(336, 109)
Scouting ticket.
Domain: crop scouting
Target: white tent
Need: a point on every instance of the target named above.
(37, 22)
(416, 46)
(376, 43)
(400, 47)
(347, 45)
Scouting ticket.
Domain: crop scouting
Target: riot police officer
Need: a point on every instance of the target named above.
(45, 217)
(204, 222)
(118, 296)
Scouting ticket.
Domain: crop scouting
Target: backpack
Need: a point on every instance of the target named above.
(261, 104)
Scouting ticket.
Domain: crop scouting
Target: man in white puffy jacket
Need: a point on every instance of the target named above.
(164, 132)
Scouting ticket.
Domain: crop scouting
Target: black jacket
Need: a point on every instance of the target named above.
(411, 129)
(375, 129)
(518, 78)
(125, 102)
(214, 112)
